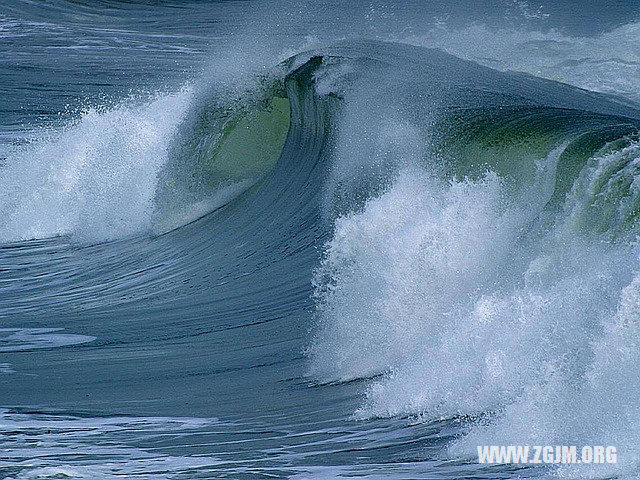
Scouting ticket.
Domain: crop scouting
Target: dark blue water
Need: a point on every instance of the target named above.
(265, 239)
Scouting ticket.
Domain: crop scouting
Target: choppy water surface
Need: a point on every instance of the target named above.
(278, 240)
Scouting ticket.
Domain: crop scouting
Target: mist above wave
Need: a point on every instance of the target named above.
(608, 62)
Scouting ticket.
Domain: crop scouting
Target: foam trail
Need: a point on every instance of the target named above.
(38, 445)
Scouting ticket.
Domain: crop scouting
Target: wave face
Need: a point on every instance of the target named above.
(333, 257)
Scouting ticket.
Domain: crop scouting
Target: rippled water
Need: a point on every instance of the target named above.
(267, 239)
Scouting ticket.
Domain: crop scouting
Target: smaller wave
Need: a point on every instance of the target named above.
(221, 150)
(148, 165)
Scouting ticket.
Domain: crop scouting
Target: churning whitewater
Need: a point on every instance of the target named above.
(317, 241)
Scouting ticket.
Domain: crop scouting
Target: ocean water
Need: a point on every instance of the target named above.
(317, 240)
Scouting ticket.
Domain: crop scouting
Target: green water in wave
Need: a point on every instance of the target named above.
(250, 144)
(221, 157)
(593, 174)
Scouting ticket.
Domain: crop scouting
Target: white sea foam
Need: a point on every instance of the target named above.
(95, 178)
(437, 286)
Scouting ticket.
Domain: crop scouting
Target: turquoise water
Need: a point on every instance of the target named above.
(258, 240)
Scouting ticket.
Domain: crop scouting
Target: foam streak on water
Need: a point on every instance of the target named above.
(58, 446)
